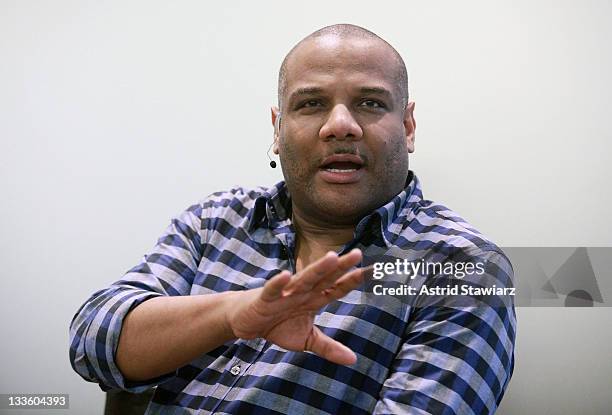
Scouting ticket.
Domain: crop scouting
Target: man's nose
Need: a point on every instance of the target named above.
(340, 125)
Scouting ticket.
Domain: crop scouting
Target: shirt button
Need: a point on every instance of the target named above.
(235, 370)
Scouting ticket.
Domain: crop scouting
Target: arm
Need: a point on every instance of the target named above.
(138, 331)
(165, 333)
(455, 360)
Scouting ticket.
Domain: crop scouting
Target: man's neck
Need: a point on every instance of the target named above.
(315, 239)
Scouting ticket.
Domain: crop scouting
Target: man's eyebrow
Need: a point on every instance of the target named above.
(377, 90)
(312, 90)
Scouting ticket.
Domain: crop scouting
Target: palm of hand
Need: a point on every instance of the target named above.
(293, 333)
(283, 310)
(278, 321)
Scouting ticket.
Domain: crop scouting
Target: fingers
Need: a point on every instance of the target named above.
(324, 272)
(330, 349)
(351, 280)
(273, 288)
(347, 283)
(345, 263)
(313, 273)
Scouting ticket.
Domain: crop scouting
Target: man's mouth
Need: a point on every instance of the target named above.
(342, 168)
(342, 162)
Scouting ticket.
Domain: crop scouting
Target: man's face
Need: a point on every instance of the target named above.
(345, 134)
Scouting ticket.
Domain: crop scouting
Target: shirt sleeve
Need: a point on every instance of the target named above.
(455, 359)
(168, 270)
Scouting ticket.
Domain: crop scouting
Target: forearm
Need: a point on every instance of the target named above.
(165, 333)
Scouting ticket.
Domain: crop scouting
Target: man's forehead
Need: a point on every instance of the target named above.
(339, 51)
(329, 54)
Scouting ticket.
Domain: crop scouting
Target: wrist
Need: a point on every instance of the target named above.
(230, 301)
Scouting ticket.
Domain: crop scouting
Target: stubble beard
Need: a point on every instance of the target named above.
(308, 197)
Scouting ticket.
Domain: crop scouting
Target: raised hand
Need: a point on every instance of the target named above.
(283, 310)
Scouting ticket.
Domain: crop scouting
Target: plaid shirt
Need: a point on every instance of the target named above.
(428, 360)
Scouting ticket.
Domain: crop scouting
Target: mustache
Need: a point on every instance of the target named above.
(345, 150)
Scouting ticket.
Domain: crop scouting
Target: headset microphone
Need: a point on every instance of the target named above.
(276, 132)
(272, 162)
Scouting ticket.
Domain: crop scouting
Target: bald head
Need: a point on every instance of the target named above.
(347, 32)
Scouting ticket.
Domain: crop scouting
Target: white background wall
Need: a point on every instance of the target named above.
(115, 116)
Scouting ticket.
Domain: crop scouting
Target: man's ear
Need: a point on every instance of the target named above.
(410, 126)
(275, 112)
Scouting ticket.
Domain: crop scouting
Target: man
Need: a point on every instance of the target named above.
(253, 300)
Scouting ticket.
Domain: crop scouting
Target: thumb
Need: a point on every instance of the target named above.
(328, 348)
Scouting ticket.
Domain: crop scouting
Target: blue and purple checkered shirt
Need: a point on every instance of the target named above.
(426, 360)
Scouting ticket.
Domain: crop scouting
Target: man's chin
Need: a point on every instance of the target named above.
(344, 209)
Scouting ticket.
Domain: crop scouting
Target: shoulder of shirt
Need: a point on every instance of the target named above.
(428, 221)
(236, 197)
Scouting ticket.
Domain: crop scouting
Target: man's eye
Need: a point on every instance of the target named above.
(370, 103)
(311, 103)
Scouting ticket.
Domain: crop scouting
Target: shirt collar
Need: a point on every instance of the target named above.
(274, 206)
(271, 206)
